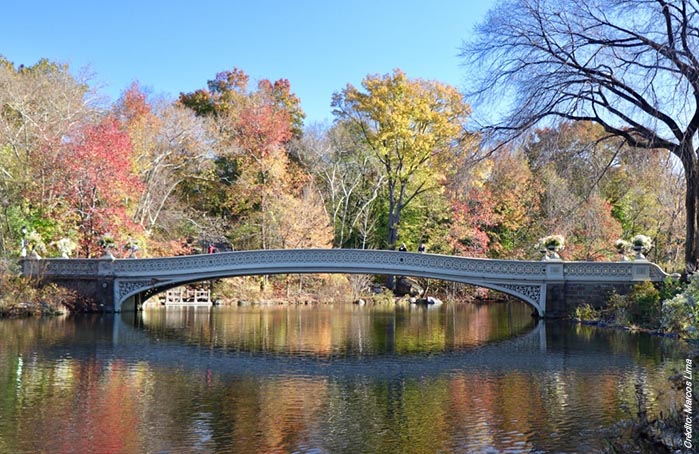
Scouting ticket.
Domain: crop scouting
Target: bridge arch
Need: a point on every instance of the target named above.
(529, 294)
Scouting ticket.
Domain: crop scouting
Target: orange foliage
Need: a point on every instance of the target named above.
(594, 231)
(472, 218)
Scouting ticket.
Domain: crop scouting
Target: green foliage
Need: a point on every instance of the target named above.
(639, 308)
(617, 311)
(427, 220)
(35, 242)
(12, 229)
(670, 287)
(680, 314)
(672, 308)
(209, 190)
(586, 313)
(385, 297)
(621, 211)
(645, 305)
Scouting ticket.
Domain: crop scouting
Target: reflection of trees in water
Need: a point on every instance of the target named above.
(341, 330)
(44, 331)
(61, 391)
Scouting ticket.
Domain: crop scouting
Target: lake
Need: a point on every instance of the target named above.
(458, 378)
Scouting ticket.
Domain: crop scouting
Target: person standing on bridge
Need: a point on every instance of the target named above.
(402, 248)
(212, 248)
(421, 248)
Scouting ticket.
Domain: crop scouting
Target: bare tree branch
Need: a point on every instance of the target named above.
(630, 66)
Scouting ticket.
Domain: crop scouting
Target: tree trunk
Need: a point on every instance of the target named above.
(691, 248)
(393, 220)
(394, 210)
(392, 236)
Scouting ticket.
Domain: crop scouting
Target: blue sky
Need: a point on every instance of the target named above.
(176, 46)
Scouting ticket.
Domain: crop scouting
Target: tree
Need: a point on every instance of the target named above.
(285, 99)
(260, 131)
(299, 221)
(413, 127)
(253, 171)
(473, 217)
(515, 197)
(40, 107)
(169, 145)
(593, 231)
(349, 181)
(97, 186)
(631, 66)
(584, 174)
(229, 90)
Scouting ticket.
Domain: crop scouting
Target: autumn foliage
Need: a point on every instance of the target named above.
(474, 217)
(231, 164)
(97, 185)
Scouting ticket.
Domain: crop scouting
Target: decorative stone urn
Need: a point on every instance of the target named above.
(641, 244)
(551, 245)
(553, 252)
(622, 248)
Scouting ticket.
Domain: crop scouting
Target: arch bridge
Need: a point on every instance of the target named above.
(550, 287)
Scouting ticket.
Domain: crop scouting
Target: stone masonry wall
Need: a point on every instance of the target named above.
(94, 295)
(563, 298)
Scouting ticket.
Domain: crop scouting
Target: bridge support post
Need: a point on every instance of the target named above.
(542, 302)
(105, 266)
(105, 274)
(554, 272)
(31, 266)
(552, 301)
(641, 271)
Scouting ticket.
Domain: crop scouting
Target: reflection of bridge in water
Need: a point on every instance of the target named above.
(546, 347)
(550, 287)
(340, 330)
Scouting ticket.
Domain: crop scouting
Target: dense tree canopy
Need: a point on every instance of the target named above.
(43, 109)
(631, 66)
(97, 185)
(261, 191)
(414, 128)
(231, 164)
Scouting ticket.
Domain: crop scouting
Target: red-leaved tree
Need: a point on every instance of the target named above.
(98, 184)
(473, 218)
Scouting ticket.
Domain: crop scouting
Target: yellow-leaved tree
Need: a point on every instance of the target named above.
(415, 128)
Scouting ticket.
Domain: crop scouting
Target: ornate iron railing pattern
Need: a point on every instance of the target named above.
(336, 258)
(332, 258)
(597, 270)
(68, 267)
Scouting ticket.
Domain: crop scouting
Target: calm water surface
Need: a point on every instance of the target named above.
(321, 379)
